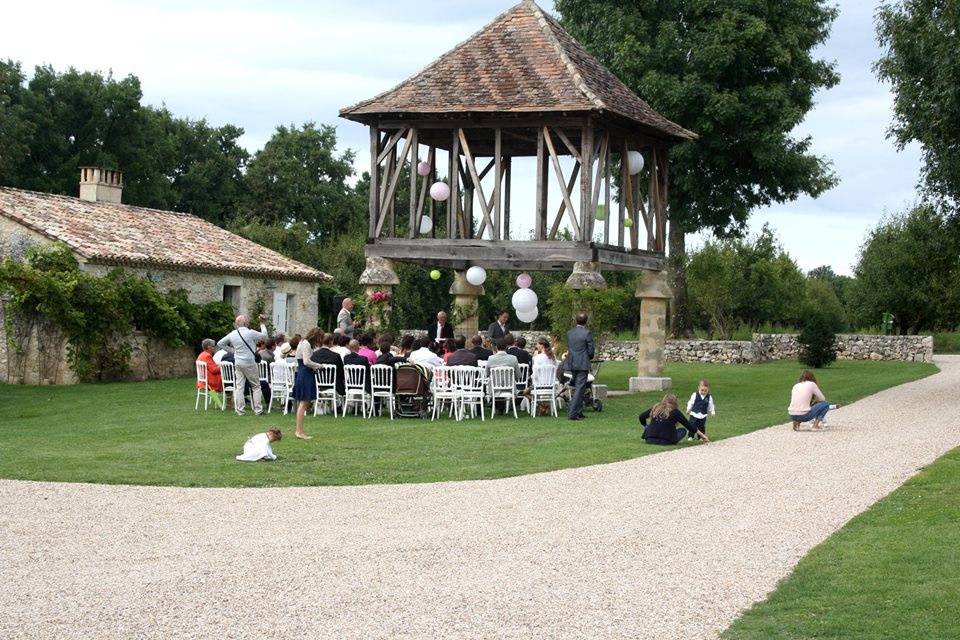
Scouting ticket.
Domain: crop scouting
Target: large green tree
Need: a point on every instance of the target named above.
(740, 74)
(922, 62)
(54, 123)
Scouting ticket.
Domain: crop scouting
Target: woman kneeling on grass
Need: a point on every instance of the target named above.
(803, 407)
(664, 417)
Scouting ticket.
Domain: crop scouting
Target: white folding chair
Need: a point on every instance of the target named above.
(203, 388)
(470, 390)
(281, 385)
(444, 393)
(381, 386)
(229, 375)
(326, 388)
(264, 369)
(543, 388)
(503, 386)
(524, 377)
(355, 377)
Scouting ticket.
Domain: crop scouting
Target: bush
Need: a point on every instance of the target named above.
(817, 341)
(602, 306)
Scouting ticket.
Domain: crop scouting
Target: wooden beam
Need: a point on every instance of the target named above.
(622, 200)
(414, 215)
(374, 182)
(497, 177)
(424, 186)
(540, 223)
(568, 144)
(472, 168)
(563, 205)
(388, 196)
(586, 178)
(394, 139)
(606, 196)
(453, 180)
(486, 169)
(559, 171)
(506, 199)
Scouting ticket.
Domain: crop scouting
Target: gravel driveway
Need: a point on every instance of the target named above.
(672, 545)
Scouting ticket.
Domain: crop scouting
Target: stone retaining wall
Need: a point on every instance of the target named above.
(763, 347)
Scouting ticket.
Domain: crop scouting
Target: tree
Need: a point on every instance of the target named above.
(742, 75)
(909, 267)
(298, 176)
(817, 341)
(922, 63)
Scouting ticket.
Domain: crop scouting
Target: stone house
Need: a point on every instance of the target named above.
(173, 250)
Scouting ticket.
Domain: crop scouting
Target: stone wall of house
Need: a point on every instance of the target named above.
(37, 355)
(763, 347)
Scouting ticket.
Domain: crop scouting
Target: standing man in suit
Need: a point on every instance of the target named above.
(345, 321)
(499, 329)
(439, 331)
(580, 346)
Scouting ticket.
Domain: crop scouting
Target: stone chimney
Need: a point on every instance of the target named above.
(100, 185)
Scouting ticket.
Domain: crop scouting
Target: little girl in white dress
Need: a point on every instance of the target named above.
(258, 447)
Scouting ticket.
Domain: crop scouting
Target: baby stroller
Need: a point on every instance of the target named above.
(566, 390)
(413, 391)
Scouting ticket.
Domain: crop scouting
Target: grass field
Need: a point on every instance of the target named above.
(891, 572)
(149, 433)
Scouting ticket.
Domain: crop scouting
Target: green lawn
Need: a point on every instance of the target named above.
(148, 433)
(892, 572)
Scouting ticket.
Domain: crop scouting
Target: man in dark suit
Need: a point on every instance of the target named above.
(580, 347)
(325, 355)
(498, 329)
(462, 356)
(478, 350)
(355, 358)
(440, 330)
(517, 348)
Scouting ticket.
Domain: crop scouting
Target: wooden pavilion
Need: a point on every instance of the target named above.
(521, 87)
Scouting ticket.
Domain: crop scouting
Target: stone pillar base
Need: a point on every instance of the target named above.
(638, 384)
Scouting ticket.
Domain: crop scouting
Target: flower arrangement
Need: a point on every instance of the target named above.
(379, 297)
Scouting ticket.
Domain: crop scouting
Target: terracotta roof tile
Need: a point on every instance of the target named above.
(523, 61)
(102, 232)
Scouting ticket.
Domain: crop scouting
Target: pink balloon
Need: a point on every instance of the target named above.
(524, 280)
(423, 169)
(440, 191)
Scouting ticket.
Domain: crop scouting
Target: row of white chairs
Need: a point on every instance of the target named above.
(455, 389)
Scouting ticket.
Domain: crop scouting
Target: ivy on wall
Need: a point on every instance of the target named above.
(94, 314)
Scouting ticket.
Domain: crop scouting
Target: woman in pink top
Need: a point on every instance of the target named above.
(807, 403)
(366, 348)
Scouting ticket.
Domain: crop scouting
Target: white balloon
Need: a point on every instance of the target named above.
(476, 276)
(440, 191)
(524, 300)
(424, 169)
(528, 316)
(634, 162)
(426, 225)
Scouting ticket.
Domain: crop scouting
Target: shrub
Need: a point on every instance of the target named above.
(817, 341)
(601, 306)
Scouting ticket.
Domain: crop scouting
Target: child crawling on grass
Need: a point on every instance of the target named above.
(258, 447)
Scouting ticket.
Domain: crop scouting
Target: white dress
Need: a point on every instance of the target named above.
(257, 448)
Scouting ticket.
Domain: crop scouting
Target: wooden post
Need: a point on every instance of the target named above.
(452, 208)
(414, 205)
(497, 176)
(586, 178)
(653, 225)
(506, 199)
(542, 191)
(374, 181)
(606, 195)
(621, 206)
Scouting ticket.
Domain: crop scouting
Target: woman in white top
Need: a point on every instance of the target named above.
(807, 402)
(544, 354)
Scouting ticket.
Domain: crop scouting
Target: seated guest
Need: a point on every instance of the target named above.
(544, 354)
(355, 357)
(440, 330)
(340, 342)
(664, 418)
(518, 348)
(294, 342)
(326, 355)
(462, 356)
(479, 350)
(265, 350)
(366, 348)
(279, 341)
(449, 346)
(501, 358)
(423, 356)
(214, 381)
(386, 355)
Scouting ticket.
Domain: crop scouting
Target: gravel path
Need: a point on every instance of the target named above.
(598, 552)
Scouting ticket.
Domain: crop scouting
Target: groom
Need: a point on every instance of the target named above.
(580, 346)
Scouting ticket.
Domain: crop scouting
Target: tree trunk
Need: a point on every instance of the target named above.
(681, 322)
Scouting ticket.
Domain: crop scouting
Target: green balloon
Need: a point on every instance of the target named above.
(628, 222)
(601, 211)
(435, 274)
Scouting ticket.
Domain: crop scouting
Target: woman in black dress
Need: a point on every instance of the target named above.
(663, 420)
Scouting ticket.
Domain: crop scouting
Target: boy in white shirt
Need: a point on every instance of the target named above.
(698, 406)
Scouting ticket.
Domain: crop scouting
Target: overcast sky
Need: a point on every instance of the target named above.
(260, 64)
